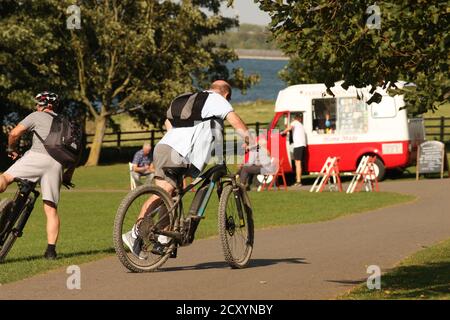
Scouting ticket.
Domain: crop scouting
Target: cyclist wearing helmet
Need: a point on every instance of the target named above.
(37, 165)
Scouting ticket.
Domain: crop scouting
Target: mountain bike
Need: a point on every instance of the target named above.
(167, 217)
(14, 214)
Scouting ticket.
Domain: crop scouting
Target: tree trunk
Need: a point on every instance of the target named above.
(96, 146)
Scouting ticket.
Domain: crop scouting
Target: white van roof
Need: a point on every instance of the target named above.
(298, 97)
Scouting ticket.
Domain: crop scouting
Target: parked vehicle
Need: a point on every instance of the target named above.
(357, 129)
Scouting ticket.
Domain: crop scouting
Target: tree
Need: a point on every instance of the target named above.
(363, 45)
(144, 53)
(116, 56)
(32, 59)
(9, 116)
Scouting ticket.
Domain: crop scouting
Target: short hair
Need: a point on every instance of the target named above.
(222, 87)
(146, 145)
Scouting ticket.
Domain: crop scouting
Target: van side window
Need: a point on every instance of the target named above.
(352, 116)
(324, 115)
(385, 109)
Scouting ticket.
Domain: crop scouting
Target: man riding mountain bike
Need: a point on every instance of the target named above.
(187, 145)
(37, 165)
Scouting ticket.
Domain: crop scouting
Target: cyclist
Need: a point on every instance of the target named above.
(189, 148)
(37, 165)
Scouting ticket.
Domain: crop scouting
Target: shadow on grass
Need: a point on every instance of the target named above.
(428, 280)
(254, 263)
(61, 256)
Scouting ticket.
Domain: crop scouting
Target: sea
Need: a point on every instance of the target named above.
(269, 85)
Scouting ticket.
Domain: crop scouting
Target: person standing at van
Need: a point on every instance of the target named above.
(299, 138)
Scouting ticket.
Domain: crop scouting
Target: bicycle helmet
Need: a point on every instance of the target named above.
(45, 98)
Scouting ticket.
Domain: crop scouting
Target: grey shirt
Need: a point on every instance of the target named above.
(40, 122)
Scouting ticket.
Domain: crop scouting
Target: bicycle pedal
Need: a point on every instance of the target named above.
(173, 254)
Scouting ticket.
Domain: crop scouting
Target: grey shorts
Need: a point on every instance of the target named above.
(165, 156)
(40, 167)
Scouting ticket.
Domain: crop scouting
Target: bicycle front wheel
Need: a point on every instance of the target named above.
(7, 238)
(236, 228)
(156, 204)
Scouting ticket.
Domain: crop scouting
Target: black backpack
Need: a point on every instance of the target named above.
(186, 109)
(64, 141)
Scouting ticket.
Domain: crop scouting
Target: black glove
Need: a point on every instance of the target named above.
(68, 185)
(67, 180)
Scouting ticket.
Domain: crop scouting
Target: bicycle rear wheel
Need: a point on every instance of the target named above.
(236, 234)
(155, 216)
(6, 240)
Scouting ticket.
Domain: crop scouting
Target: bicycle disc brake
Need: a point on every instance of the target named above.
(145, 229)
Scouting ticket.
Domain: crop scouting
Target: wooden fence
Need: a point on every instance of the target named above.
(437, 128)
(118, 138)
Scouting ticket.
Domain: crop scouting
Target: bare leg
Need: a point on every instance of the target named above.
(298, 168)
(52, 222)
(148, 204)
(5, 181)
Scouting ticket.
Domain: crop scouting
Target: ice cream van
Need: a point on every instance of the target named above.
(343, 125)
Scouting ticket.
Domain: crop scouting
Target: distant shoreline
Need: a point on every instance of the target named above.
(263, 58)
(261, 54)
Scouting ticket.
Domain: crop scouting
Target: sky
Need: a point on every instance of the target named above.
(247, 11)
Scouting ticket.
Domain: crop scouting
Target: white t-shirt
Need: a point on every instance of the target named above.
(196, 143)
(298, 134)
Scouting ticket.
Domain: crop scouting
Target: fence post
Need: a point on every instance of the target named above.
(119, 135)
(442, 129)
(152, 138)
(257, 128)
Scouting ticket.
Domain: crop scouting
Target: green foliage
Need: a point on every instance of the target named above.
(330, 40)
(126, 53)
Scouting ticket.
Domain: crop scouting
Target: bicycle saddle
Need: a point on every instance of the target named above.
(25, 182)
(176, 173)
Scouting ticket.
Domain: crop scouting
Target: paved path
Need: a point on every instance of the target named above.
(313, 261)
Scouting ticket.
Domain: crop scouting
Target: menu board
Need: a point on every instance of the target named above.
(431, 158)
(352, 116)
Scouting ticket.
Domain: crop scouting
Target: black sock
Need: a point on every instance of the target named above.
(51, 247)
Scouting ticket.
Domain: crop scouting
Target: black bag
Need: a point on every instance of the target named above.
(186, 109)
(64, 141)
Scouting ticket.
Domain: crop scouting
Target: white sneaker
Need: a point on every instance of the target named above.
(132, 244)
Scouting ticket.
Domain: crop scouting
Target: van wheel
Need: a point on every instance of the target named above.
(380, 169)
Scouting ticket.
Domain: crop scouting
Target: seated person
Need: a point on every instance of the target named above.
(143, 165)
(259, 162)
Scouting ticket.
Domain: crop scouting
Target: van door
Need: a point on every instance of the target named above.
(278, 143)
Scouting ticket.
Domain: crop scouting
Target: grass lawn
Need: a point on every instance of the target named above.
(87, 216)
(424, 275)
(260, 110)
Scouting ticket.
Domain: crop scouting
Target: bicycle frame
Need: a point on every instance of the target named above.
(22, 208)
(211, 177)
